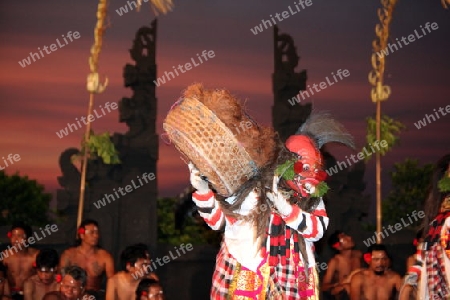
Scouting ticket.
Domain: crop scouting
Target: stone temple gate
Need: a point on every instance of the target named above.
(133, 218)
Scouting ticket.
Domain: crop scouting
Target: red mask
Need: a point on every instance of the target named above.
(308, 168)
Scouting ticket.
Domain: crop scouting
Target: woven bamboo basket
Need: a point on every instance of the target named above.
(210, 145)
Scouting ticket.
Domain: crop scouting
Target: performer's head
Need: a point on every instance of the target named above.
(73, 282)
(135, 259)
(19, 233)
(339, 241)
(88, 233)
(306, 165)
(441, 174)
(377, 258)
(149, 289)
(46, 265)
(308, 168)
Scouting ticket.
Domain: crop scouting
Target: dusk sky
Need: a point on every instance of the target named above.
(40, 99)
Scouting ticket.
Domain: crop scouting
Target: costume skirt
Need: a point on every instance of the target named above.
(232, 281)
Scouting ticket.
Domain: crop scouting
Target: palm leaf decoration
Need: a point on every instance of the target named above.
(390, 130)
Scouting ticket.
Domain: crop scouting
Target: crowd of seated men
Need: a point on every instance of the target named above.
(31, 274)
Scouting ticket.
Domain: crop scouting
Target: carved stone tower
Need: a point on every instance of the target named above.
(287, 83)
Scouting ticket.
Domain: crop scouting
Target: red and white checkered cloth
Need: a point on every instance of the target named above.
(284, 283)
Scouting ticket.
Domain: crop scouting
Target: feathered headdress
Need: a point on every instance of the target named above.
(323, 129)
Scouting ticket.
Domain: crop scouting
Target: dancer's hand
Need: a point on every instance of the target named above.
(197, 182)
(278, 199)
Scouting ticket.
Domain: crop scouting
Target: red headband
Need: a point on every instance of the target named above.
(368, 258)
(144, 293)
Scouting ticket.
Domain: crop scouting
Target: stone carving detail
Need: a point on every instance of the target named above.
(287, 83)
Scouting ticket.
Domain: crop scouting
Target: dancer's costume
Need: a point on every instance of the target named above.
(271, 214)
(243, 268)
(431, 272)
(432, 268)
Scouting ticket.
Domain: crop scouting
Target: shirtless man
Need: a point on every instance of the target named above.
(336, 280)
(88, 256)
(19, 258)
(135, 263)
(377, 282)
(44, 281)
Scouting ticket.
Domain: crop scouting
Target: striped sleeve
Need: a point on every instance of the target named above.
(417, 267)
(209, 209)
(311, 225)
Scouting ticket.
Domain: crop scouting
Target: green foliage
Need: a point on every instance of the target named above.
(22, 199)
(389, 131)
(321, 189)
(100, 145)
(195, 231)
(286, 170)
(410, 184)
(444, 184)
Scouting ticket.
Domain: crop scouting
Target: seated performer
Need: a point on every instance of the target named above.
(347, 260)
(44, 281)
(377, 282)
(149, 289)
(20, 262)
(135, 264)
(89, 256)
(431, 272)
(272, 220)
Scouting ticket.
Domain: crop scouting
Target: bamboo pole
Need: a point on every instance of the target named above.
(378, 174)
(380, 92)
(94, 87)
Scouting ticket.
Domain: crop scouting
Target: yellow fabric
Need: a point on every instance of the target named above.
(245, 280)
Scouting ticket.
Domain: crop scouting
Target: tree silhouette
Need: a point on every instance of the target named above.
(22, 199)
